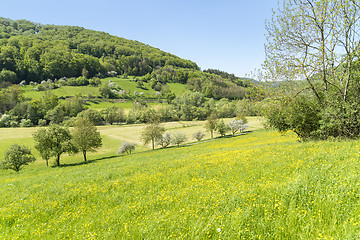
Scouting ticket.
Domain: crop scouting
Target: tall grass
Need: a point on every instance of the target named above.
(256, 186)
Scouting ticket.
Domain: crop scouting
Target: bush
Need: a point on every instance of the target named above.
(5, 120)
(198, 135)
(164, 140)
(179, 138)
(126, 148)
(94, 116)
(26, 123)
(42, 122)
(14, 124)
(222, 128)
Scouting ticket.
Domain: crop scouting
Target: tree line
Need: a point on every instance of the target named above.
(50, 109)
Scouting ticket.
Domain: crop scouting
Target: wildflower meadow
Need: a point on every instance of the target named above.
(259, 185)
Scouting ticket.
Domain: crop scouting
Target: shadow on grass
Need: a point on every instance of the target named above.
(84, 163)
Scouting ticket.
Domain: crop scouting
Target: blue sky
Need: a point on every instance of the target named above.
(227, 35)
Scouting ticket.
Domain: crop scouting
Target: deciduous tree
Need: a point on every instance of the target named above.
(151, 133)
(85, 136)
(54, 141)
(17, 156)
(211, 122)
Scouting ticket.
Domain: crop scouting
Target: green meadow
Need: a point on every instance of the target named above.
(98, 103)
(257, 185)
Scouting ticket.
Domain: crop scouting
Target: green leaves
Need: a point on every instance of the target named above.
(17, 156)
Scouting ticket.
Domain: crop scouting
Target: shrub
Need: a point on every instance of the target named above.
(42, 122)
(164, 140)
(179, 138)
(126, 148)
(198, 135)
(26, 123)
(222, 128)
(5, 120)
(94, 116)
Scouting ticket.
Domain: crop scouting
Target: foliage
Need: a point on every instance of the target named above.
(165, 140)
(126, 148)
(53, 141)
(178, 138)
(85, 136)
(317, 42)
(198, 135)
(17, 156)
(221, 127)
(113, 114)
(93, 115)
(77, 52)
(237, 125)
(151, 133)
(210, 123)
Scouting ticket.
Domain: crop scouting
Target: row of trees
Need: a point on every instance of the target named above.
(49, 109)
(154, 133)
(53, 142)
(84, 137)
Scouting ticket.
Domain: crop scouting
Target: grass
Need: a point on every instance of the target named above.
(99, 104)
(261, 185)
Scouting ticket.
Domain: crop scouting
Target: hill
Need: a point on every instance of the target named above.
(33, 52)
(257, 186)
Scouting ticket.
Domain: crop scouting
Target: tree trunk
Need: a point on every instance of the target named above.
(211, 133)
(153, 144)
(84, 153)
(58, 160)
(47, 162)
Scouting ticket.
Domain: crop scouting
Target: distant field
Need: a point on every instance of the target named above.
(113, 136)
(125, 84)
(261, 185)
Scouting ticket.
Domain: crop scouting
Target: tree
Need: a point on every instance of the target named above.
(113, 114)
(237, 125)
(126, 148)
(54, 141)
(43, 144)
(179, 138)
(198, 135)
(93, 115)
(210, 124)
(318, 41)
(17, 156)
(222, 128)
(85, 136)
(151, 133)
(165, 140)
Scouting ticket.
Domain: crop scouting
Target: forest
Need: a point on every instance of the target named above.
(33, 52)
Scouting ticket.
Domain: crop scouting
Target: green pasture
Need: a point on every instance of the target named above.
(96, 103)
(258, 185)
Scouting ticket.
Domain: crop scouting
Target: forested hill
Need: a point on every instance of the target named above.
(31, 52)
(36, 52)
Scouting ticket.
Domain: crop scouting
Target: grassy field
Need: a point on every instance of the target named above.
(126, 84)
(261, 185)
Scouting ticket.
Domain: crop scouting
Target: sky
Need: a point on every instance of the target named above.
(228, 35)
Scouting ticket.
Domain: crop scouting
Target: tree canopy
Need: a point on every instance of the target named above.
(316, 41)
